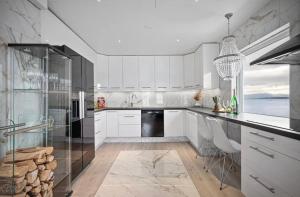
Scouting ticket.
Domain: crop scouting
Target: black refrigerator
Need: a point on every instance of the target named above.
(83, 135)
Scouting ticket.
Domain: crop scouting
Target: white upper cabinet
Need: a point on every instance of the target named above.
(176, 72)
(130, 72)
(101, 72)
(206, 75)
(115, 72)
(147, 72)
(198, 69)
(162, 72)
(189, 70)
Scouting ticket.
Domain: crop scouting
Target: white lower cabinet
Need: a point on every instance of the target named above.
(130, 131)
(130, 123)
(100, 128)
(267, 168)
(192, 128)
(112, 123)
(173, 123)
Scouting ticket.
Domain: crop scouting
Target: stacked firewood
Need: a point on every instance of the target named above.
(28, 172)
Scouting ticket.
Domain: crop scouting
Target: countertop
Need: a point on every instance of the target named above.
(140, 108)
(276, 125)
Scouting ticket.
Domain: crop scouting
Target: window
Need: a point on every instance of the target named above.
(265, 88)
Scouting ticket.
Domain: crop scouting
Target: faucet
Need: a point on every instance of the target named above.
(133, 97)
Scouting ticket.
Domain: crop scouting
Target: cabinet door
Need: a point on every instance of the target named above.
(162, 72)
(210, 74)
(176, 72)
(112, 124)
(101, 72)
(173, 123)
(115, 72)
(147, 74)
(100, 128)
(189, 65)
(198, 82)
(130, 131)
(188, 125)
(130, 72)
(193, 129)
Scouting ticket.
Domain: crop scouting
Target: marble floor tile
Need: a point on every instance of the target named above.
(148, 173)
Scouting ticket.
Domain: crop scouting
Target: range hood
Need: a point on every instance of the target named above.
(287, 53)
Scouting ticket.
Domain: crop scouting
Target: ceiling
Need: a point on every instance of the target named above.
(149, 27)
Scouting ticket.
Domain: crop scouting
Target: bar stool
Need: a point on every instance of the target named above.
(207, 144)
(227, 146)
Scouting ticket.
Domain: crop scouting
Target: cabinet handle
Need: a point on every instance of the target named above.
(98, 132)
(259, 135)
(262, 152)
(272, 190)
(128, 116)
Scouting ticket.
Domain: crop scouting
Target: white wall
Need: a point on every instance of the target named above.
(55, 32)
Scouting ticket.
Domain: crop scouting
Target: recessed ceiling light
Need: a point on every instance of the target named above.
(196, 1)
(119, 41)
(98, 0)
(177, 40)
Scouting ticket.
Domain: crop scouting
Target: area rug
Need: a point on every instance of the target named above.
(147, 173)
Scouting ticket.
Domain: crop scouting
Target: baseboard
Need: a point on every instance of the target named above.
(145, 139)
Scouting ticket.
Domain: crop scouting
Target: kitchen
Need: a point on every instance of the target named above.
(132, 98)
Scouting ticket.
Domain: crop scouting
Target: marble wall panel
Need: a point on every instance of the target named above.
(20, 22)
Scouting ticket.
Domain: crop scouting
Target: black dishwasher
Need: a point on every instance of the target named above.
(152, 123)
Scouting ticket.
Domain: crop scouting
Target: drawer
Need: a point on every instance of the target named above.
(279, 168)
(100, 125)
(279, 143)
(130, 131)
(99, 139)
(129, 112)
(99, 115)
(129, 119)
(258, 186)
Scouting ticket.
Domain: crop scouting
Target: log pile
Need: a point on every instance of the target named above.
(28, 173)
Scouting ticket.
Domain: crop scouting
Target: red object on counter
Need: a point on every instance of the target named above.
(101, 102)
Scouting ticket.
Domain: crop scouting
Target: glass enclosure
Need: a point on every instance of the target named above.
(35, 148)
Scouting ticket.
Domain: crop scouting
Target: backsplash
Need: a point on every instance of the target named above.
(158, 99)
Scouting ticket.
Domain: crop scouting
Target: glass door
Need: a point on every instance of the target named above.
(35, 143)
(59, 110)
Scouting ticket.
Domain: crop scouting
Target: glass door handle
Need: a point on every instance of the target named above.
(83, 104)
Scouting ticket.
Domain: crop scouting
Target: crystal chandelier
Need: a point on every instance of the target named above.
(230, 60)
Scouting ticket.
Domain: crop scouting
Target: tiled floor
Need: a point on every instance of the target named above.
(148, 173)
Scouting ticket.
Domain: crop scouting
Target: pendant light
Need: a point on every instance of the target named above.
(230, 60)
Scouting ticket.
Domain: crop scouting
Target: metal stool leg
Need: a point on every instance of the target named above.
(223, 173)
